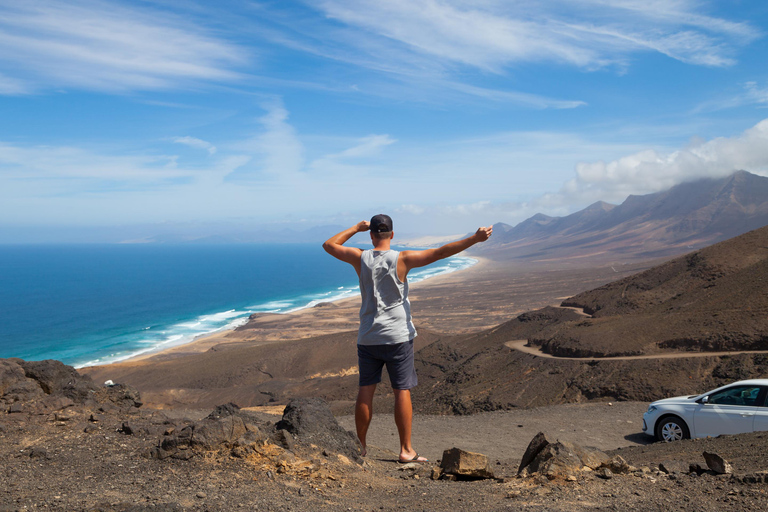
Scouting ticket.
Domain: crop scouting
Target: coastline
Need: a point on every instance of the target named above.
(324, 317)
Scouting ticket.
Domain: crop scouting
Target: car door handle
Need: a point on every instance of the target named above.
(747, 414)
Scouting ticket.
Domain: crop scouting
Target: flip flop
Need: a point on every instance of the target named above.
(414, 459)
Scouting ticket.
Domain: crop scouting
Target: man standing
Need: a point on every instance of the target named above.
(386, 331)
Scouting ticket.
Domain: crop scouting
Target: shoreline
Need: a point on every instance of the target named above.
(204, 342)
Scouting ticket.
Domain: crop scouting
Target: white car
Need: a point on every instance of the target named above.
(733, 409)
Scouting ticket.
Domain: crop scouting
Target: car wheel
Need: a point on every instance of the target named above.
(671, 428)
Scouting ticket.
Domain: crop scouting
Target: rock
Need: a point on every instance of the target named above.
(217, 431)
(466, 465)
(559, 460)
(57, 403)
(14, 384)
(127, 429)
(62, 416)
(56, 378)
(38, 453)
(15, 408)
(286, 439)
(617, 465)
(604, 473)
(223, 411)
(537, 444)
(437, 472)
(124, 396)
(672, 467)
(594, 458)
(717, 464)
(311, 421)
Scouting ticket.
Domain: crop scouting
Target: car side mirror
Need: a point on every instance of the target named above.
(703, 400)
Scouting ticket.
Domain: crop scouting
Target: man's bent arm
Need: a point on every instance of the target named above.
(415, 259)
(336, 248)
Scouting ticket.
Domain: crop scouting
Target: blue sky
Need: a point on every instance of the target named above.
(446, 114)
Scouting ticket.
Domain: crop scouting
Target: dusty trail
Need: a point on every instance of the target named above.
(535, 351)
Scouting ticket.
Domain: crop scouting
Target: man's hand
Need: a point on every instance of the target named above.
(483, 234)
(363, 225)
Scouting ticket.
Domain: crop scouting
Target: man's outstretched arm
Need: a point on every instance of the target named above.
(415, 259)
(336, 248)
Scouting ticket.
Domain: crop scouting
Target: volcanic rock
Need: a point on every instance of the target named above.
(538, 443)
(672, 467)
(717, 464)
(310, 420)
(56, 378)
(465, 465)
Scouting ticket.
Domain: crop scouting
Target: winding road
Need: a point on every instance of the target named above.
(535, 351)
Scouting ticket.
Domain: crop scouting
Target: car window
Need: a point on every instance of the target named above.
(737, 395)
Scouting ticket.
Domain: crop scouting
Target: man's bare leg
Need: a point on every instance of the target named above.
(403, 420)
(364, 413)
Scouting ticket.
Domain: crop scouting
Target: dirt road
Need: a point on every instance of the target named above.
(536, 351)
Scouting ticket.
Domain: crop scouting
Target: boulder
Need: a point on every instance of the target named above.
(537, 444)
(465, 465)
(225, 428)
(556, 461)
(56, 378)
(593, 458)
(14, 384)
(674, 467)
(617, 465)
(124, 396)
(310, 421)
(562, 459)
(717, 464)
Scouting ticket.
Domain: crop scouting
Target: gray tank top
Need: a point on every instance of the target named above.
(385, 315)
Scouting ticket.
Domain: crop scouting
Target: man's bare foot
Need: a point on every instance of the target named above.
(414, 457)
(363, 451)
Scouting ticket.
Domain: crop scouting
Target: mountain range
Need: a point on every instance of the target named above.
(686, 217)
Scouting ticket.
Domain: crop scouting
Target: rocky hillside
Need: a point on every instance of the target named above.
(710, 300)
(686, 217)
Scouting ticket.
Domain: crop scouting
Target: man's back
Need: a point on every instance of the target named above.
(385, 314)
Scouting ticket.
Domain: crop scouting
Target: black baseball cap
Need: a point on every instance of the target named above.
(381, 223)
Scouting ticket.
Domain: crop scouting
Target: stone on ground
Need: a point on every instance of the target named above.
(466, 465)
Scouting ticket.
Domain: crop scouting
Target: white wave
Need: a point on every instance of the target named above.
(204, 325)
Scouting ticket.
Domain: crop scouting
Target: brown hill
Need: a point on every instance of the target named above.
(687, 216)
(710, 300)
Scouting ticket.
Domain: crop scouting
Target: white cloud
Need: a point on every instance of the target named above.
(49, 162)
(755, 94)
(12, 86)
(196, 143)
(641, 172)
(107, 46)
(492, 35)
(651, 171)
(366, 147)
(277, 152)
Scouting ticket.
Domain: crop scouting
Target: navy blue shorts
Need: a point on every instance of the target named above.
(398, 358)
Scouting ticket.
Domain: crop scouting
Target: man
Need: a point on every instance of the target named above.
(386, 330)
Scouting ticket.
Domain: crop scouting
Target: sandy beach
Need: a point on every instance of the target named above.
(279, 354)
(479, 297)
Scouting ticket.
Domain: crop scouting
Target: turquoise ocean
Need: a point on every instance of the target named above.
(99, 304)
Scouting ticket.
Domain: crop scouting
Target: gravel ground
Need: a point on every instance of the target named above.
(53, 463)
(504, 435)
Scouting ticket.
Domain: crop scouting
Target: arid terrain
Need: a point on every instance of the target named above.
(85, 447)
(158, 441)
